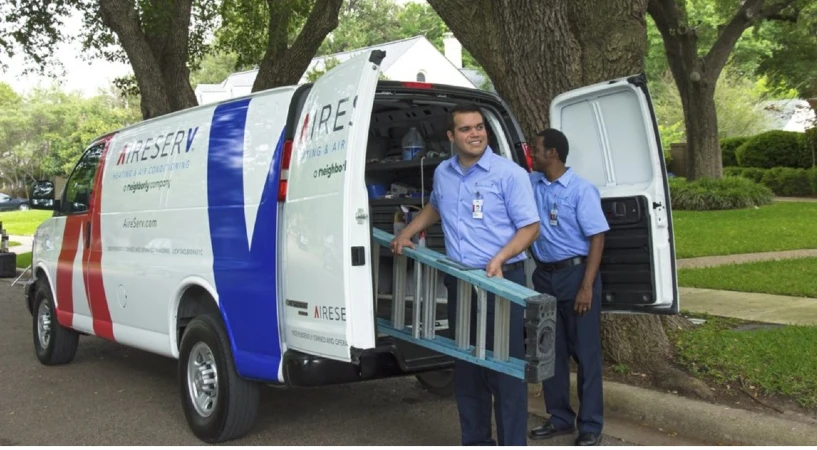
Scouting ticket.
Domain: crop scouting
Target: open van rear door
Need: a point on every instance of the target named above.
(614, 143)
(329, 306)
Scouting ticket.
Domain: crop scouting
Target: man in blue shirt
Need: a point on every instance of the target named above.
(489, 218)
(568, 254)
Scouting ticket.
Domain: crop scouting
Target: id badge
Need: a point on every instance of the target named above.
(554, 216)
(476, 208)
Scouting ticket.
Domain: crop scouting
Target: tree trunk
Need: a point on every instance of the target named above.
(696, 76)
(284, 65)
(537, 50)
(701, 120)
(159, 58)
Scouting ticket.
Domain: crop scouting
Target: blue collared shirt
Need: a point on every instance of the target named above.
(578, 216)
(507, 205)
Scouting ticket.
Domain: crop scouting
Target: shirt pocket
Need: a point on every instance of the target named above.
(566, 206)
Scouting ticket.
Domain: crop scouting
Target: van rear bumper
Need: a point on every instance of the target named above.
(391, 358)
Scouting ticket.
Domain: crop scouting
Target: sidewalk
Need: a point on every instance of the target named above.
(631, 412)
(710, 261)
(25, 244)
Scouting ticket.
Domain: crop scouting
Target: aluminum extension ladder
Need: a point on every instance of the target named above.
(539, 311)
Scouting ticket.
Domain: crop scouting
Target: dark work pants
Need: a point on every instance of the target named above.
(475, 386)
(579, 337)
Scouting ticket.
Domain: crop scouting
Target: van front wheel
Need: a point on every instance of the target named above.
(219, 405)
(53, 343)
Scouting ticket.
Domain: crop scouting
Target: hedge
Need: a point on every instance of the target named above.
(728, 147)
(775, 148)
(783, 181)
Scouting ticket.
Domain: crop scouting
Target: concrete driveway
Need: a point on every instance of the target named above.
(112, 395)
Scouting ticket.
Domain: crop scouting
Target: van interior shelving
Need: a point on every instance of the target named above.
(397, 186)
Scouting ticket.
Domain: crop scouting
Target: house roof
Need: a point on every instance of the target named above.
(789, 115)
(394, 50)
(477, 78)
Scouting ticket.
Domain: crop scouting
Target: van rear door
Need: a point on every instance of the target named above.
(329, 304)
(614, 143)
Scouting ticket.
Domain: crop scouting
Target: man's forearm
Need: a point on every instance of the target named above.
(523, 239)
(428, 216)
(593, 260)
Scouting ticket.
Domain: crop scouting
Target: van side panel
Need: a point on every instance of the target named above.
(246, 143)
(193, 196)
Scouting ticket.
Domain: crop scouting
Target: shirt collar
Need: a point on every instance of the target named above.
(564, 180)
(484, 161)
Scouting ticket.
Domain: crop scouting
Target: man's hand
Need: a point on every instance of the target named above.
(494, 268)
(399, 242)
(583, 300)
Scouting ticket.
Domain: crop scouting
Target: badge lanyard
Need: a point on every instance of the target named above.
(554, 211)
(476, 207)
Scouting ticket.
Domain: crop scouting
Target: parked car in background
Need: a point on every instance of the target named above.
(8, 203)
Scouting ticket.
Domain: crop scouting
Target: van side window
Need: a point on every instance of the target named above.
(79, 185)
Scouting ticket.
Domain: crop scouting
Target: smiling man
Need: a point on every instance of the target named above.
(489, 218)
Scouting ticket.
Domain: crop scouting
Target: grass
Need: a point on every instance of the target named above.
(24, 260)
(796, 277)
(775, 227)
(14, 243)
(23, 223)
(770, 360)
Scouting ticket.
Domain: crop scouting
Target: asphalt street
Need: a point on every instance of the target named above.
(113, 395)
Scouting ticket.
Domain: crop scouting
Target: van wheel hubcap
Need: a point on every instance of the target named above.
(202, 379)
(44, 324)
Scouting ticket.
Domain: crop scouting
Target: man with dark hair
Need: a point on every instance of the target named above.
(489, 218)
(568, 254)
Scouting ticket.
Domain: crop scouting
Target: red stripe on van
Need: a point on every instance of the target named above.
(92, 258)
(65, 270)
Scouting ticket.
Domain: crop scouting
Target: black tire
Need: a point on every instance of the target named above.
(440, 382)
(236, 405)
(59, 344)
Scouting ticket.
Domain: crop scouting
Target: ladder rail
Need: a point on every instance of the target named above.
(539, 322)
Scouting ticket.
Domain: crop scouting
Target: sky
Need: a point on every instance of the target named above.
(83, 76)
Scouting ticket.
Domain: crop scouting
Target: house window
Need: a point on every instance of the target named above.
(421, 77)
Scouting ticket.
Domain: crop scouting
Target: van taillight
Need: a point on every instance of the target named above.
(286, 159)
(417, 85)
(528, 156)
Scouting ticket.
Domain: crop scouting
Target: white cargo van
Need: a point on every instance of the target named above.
(236, 237)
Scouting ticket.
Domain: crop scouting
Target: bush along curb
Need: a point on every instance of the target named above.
(783, 181)
(714, 194)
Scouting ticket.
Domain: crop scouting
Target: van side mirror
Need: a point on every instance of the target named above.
(42, 195)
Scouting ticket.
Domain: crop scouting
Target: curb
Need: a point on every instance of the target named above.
(703, 421)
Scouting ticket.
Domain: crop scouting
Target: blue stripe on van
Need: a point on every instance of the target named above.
(245, 275)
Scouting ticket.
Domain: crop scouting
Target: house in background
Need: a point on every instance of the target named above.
(412, 59)
(789, 115)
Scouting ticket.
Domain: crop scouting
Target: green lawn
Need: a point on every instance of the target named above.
(24, 260)
(772, 360)
(775, 227)
(23, 223)
(796, 277)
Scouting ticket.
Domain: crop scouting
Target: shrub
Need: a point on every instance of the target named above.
(774, 148)
(753, 173)
(812, 176)
(711, 194)
(811, 146)
(728, 147)
(788, 182)
(733, 171)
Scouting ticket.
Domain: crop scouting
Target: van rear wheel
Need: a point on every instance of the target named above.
(440, 382)
(53, 343)
(219, 405)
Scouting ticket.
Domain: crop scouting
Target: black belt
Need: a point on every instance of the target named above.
(563, 264)
(513, 266)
